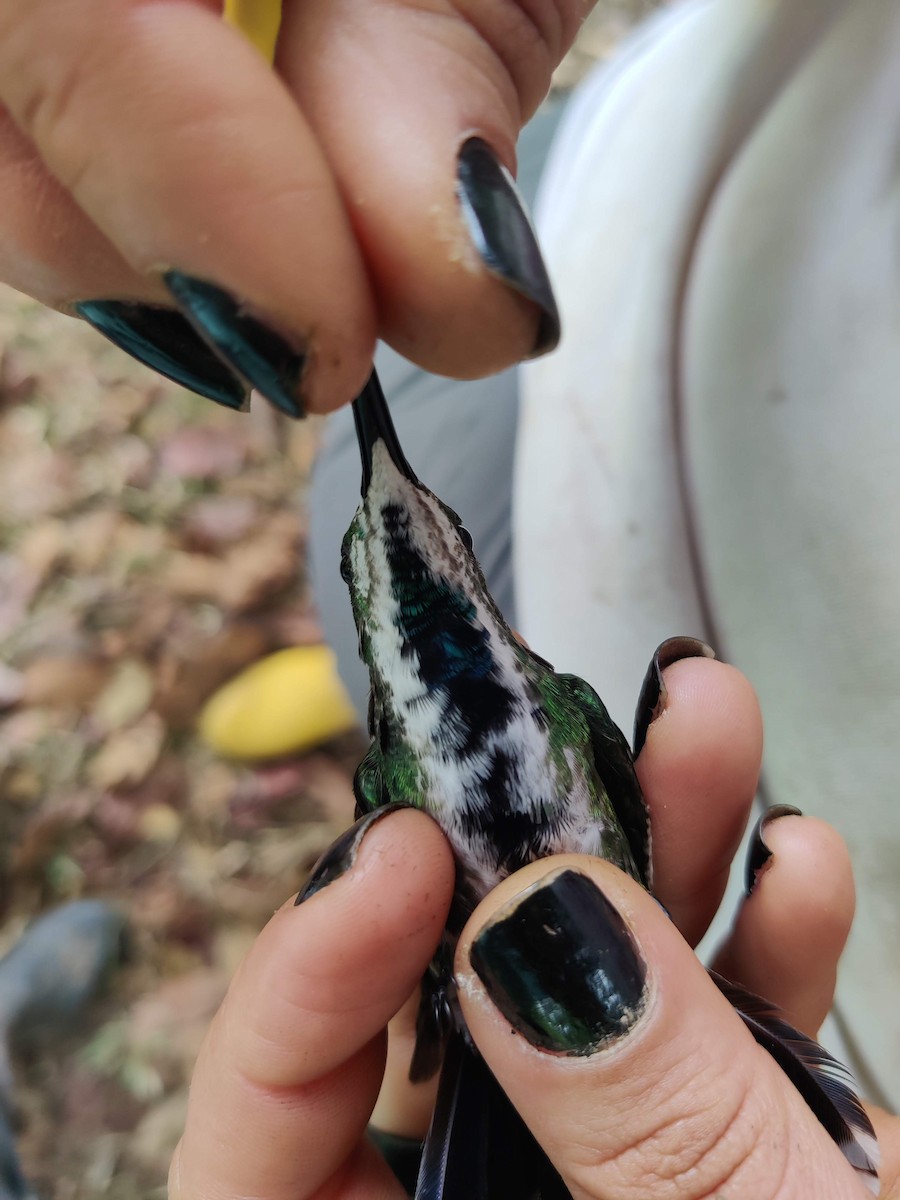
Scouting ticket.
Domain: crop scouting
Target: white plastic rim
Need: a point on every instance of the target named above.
(715, 447)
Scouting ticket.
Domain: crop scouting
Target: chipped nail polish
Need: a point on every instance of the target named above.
(652, 699)
(342, 854)
(562, 966)
(758, 853)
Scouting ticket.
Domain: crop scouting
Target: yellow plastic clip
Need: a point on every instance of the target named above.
(258, 20)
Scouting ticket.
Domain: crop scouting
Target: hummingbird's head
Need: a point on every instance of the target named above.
(424, 615)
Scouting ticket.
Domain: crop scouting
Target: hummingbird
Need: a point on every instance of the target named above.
(515, 762)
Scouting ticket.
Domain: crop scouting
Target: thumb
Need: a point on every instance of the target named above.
(632, 1070)
(417, 107)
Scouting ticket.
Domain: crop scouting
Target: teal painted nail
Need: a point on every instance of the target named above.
(164, 340)
(499, 226)
(257, 353)
(562, 966)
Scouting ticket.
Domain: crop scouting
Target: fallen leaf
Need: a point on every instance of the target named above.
(257, 571)
(125, 697)
(90, 539)
(72, 681)
(168, 912)
(129, 755)
(189, 671)
(116, 817)
(159, 823)
(43, 833)
(194, 576)
(17, 586)
(43, 546)
(36, 484)
(212, 787)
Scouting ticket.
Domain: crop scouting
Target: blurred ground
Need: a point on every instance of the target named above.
(150, 545)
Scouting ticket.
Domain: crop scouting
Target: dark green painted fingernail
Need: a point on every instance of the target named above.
(341, 855)
(759, 854)
(164, 340)
(257, 353)
(652, 699)
(562, 966)
(499, 226)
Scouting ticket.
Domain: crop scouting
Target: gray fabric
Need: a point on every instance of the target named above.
(459, 439)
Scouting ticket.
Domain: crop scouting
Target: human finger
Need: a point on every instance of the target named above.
(182, 146)
(52, 251)
(630, 1068)
(419, 111)
(292, 1064)
(287, 234)
(791, 929)
(404, 1108)
(699, 736)
(698, 767)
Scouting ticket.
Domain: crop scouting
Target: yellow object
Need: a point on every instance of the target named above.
(258, 20)
(287, 703)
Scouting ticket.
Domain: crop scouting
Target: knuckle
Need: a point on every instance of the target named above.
(709, 1136)
(43, 80)
(527, 37)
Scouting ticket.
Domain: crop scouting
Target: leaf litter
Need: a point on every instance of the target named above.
(151, 546)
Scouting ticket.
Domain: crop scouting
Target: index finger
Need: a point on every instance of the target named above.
(292, 1064)
(175, 137)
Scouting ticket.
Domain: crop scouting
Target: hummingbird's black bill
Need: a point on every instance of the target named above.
(373, 423)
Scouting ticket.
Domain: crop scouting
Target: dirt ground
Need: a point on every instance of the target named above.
(151, 544)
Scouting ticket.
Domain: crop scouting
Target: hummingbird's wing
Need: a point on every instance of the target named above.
(478, 1147)
(615, 769)
(368, 783)
(821, 1080)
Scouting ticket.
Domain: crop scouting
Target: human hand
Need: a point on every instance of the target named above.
(327, 202)
(681, 1104)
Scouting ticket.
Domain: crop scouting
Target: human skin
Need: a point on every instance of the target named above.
(685, 1104)
(141, 136)
(138, 136)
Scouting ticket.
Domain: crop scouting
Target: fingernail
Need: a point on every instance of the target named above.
(562, 966)
(257, 353)
(499, 225)
(164, 340)
(342, 854)
(759, 854)
(653, 697)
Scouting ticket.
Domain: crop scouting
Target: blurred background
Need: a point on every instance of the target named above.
(151, 545)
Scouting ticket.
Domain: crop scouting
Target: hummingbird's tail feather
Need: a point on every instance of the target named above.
(821, 1080)
(478, 1147)
(373, 423)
